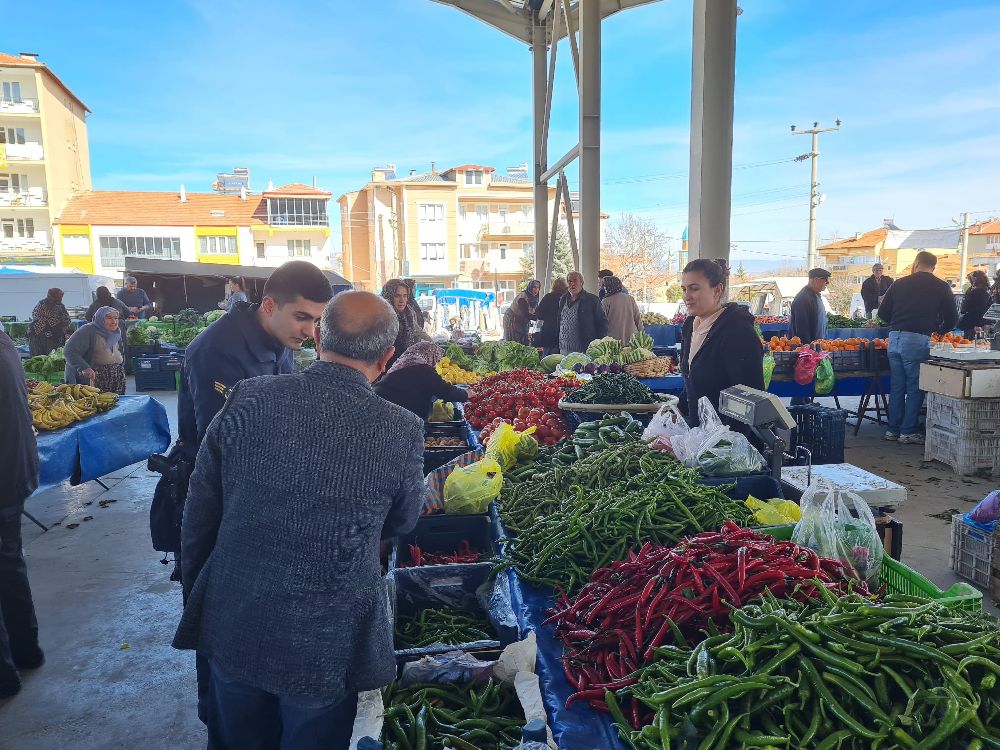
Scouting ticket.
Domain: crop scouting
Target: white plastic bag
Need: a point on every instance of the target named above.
(838, 524)
(714, 448)
(667, 423)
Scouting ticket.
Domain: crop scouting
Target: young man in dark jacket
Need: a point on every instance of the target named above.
(874, 289)
(808, 315)
(581, 317)
(19, 469)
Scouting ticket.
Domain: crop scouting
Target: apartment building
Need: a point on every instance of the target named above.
(469, 226)
(97, 230)
(851, 259)
(984, 245)
(44, 156)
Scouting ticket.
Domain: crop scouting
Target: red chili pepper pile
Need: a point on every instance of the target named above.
(466, 553)
(625, 610)
(503, 395)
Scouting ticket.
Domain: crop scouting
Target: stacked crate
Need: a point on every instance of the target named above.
(964, 433)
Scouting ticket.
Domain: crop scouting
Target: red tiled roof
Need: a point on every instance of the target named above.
(472, 166)
(134, 208)
(17, 60)
(868, 239)
(988, 226)
(296, 189)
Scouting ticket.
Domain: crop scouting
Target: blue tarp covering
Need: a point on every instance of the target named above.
(853, 386)
(463, 296)
(663, 335)
(90, 449)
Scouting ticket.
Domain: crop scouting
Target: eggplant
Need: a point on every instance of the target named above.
(602, 369)
(578, 368)
(590, 369)
(615, 368)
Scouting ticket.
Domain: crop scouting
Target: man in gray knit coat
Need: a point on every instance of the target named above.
(297, 480)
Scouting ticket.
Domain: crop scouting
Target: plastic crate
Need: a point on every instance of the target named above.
(171, 361)
(900, 579)
(968, 417)
(965, 455)
(971, 551)
(878, 359)
(853, 361)
(145, 364)
(437, 457)
(761, 486)
(156, 380)
(443, 533)
(821, 430)
(784, 362)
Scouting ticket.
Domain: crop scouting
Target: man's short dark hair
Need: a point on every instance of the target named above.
(926, 259)
(297, 278)
(604, 272)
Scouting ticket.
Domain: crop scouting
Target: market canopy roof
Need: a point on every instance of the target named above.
(134, 264)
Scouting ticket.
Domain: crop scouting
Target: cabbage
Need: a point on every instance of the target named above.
(574, 359)
(641, 340)
(214, 315)
(551, 362)
(605, 351)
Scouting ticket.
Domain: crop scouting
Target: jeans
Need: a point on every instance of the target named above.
(906, 353)
(242, 717)
(18, 626)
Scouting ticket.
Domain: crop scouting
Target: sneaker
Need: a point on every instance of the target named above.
(890, 435)
(917, 438)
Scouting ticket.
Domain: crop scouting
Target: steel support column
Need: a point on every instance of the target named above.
(590, 141)
(712, 90)
(539, 84)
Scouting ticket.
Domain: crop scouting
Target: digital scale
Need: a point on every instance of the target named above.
(763, 413)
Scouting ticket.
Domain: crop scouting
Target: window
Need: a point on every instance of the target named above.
(114, 249)
(26, 228)
(12, 136)
(76, 244)
(260, 250)
(473, 177)
(431, 212)
(529, 249)
(217, 245)
(529, 213)
(466, 251)
(12, 92)
(297, 212)
(482, 213)
(503, 251)
(483, 249)
(299, 248)
(431, 251)
(462, 214)
(8, 229)
(13, 183)
(504, 210)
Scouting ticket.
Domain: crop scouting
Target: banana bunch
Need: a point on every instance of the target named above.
(55, 407)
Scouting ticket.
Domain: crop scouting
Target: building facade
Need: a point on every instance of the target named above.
(44, 157)
(984, 246)
(98, 229)
(468, 227)
(850, 260)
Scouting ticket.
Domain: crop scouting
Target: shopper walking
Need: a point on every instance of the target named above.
(413, 383)
(547, 314)
(808, 314)
(50, 324)
(621, 310)
(104, 298)
(914, 307)
(135, 299)
(874, 288)
(236, 295)
(95, 354)
(581, 317)
(19, 649)
(285, 594)
(975, 303)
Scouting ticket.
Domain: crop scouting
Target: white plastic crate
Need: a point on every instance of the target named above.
(965, 455)
(969, 417)
(971, 551)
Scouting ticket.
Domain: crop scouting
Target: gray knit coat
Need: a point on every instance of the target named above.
(297, 480)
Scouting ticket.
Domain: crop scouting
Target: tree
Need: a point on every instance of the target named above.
(639, 254)
(839, 294)
(741, 273)
(562, 260)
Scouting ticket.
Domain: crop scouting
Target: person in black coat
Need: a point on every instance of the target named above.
(547, 313)
(581, 316)
(975, 303)
(874, 288)
(807, 318)
(719, 345)
(413, 383)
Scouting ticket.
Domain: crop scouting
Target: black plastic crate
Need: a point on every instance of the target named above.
(852, 361)
(171, 362)
(821, 430)
(156, 380)
(458, 421)
(784, 362)
(761, 486)
(878, 359)
(437, 457)
(145, 364)
(443, 533)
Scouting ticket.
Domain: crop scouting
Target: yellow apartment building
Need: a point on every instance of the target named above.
(851, 259)
(468, 226)
(44, 157)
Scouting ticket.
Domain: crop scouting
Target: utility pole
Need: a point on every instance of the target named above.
(814, 197)
(963, 267)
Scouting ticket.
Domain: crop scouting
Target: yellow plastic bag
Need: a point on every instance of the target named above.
(442, 411)
(774, 512)
(506, 445)
(470, 489)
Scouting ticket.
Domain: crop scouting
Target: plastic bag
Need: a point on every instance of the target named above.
(442, 411)
(805, 366)
(666, 423)
(774, 512)
(825, 379)
(714, 448)
(838, 524)
(768, 369)
(507, 445)
(470, 489)
(986, 514)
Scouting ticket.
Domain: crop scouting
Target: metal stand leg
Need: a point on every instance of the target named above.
(35, 521)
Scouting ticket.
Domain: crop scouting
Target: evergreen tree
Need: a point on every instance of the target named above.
(562, 260)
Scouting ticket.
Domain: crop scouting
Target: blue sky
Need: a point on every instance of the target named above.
(301, 88)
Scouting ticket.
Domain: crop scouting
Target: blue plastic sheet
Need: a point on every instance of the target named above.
(662, 335)
(672, 384)
(852, 386)
(134, 429)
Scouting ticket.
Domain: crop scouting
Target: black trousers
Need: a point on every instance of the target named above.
(18, 626)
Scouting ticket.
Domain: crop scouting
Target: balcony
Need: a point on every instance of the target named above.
(525, 229)
(32, 198)
(29, 151)
(22, 107)
(24, 251)
(838, 267)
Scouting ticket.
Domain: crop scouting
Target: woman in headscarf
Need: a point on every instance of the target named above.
(622, 311)
(95, 353)
(106, 299)
(520, 313)
(49, 324)
(413, 383)
(975, 303)
(411, 330)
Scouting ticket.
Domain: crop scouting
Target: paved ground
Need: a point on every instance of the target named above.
(107, 610)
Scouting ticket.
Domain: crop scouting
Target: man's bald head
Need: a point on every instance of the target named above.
(358, 325)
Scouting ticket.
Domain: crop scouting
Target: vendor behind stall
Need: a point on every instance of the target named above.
(134, 298)
(104, 298)
(95, 353)
(719, 346)
(413, 383)
(975, 303)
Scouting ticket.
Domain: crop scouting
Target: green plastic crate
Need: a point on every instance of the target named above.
(899, 579)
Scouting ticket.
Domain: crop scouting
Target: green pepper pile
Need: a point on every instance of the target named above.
(832, 673)
(612, 388)
(447, 626)
(433, 716)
